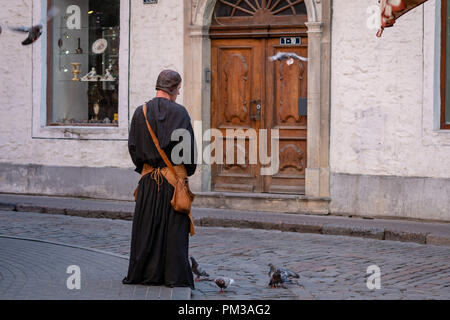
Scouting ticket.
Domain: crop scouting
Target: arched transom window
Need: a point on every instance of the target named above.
(260, 12)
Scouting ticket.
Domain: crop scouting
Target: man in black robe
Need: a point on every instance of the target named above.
(160, 235)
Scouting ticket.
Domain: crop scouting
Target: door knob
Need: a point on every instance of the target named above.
(257, 115)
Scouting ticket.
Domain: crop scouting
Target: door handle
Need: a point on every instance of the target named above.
(257, 115)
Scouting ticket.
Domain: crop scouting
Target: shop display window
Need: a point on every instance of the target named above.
(83, 43)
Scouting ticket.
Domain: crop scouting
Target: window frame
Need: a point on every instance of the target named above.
(41, 129)
(444, 98)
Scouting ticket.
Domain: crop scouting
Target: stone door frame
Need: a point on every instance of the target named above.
(197, 86)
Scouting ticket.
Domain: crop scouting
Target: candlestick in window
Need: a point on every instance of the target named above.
(79, 50)
(76, 71)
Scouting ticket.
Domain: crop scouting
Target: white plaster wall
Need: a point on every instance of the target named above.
(381, 108)
(15, 88)
(156, 43)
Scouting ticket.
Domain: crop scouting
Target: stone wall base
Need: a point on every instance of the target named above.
(418, 198)
(82, 182)
(390, 196)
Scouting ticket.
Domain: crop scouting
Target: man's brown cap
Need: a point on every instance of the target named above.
(168, 81)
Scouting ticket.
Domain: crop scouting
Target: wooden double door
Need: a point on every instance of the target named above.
(253, 94)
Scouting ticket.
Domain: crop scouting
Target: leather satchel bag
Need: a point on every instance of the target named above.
(182, 196)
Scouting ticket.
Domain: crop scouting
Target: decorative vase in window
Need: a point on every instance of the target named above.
(96, 110)
(76, 71)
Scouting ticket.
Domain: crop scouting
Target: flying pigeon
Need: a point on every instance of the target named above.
(280, 275)
(223, 283)
(281, 56)
(35, 31)
(198, 271)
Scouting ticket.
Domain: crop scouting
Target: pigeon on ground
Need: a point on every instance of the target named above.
(34, 32)
(223, 283)
(280, 275)
(277, 279)
(289, 273)
(281, 56)
(197, 270)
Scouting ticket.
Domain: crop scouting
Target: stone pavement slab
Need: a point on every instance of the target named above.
(381, 229)
(38, 270)
(330, 267)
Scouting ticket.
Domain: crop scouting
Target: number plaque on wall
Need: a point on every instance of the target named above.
(291, 41)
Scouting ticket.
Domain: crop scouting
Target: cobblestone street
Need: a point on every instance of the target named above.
(330, 267)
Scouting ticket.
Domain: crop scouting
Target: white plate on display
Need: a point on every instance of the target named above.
(99, 46)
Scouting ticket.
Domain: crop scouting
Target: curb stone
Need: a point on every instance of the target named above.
(235, 221)
(438, 240)
(364, 232)
(7, 207)
(405, 236)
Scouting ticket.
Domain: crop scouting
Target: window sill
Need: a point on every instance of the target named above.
(84, 126)
(82, 132)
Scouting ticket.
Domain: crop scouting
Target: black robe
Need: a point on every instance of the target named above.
(160, 235)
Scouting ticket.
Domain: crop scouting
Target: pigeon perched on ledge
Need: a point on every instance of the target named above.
(281, 56)
(223, 283)
(197, 270)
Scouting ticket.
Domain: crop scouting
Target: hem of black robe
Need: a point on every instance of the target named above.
(146, 283)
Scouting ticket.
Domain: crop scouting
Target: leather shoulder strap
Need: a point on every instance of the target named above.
(155, 140)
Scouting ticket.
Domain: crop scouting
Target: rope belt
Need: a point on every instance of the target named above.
(158, 174)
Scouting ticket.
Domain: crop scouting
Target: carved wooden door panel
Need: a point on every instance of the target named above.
(285, 110)
(245, 33)
(244, 79)
(237, 87)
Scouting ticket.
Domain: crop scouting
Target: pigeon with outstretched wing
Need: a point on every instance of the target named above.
(289, 273)
(34, 32)
(281, 56)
